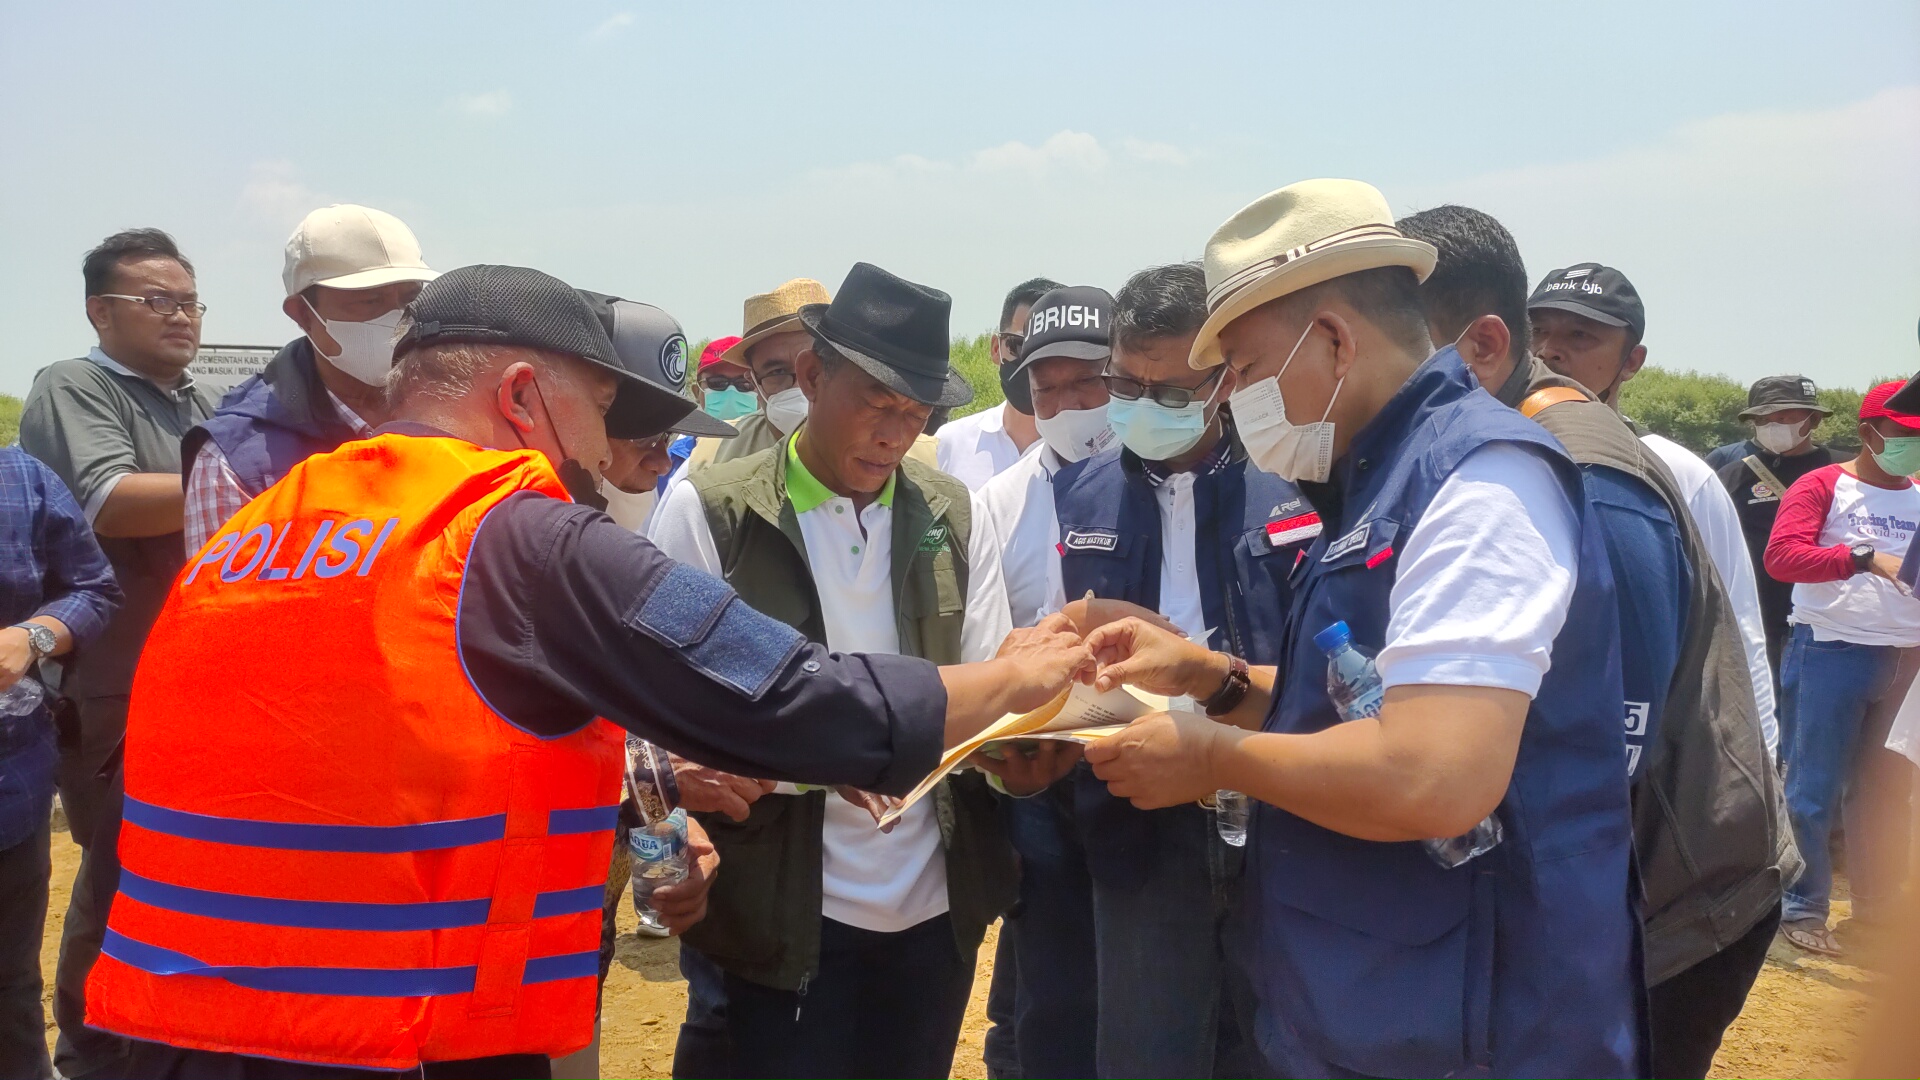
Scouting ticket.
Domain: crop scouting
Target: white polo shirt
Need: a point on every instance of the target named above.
(886, 882)
(1718, 521)
(976, 448)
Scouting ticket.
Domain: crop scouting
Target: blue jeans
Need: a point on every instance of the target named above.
(1839, 702)
(1124, 978)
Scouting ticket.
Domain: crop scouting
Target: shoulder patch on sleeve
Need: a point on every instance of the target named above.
(703, 622)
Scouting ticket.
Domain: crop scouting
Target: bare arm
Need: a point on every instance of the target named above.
(1034, 665)
(1143, 654)
(1436, 761)
(143, 504)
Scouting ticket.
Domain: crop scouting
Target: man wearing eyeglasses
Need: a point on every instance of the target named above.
(349, 270)
(1122, 959)
(109, 424)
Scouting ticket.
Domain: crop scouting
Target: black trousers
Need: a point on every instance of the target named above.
(880, 1005)
(90, 733)
(24, 872)
(1692, 1010)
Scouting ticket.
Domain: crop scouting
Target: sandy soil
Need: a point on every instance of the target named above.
(1801, 1019)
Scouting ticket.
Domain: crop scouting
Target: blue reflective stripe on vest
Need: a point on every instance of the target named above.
(590, 819)
(344, 915)
(359, 839)
(341, 982)
(304, 836)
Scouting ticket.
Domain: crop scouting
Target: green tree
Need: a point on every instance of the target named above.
(9, 419)
(970, 357)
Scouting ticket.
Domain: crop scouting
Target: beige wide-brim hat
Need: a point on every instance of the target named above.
(774, 312)
(1300, 235)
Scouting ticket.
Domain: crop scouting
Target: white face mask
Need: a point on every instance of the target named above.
(1076, 433)
(1778, 438)
(366, 348)
(630, 511)
(786, 410)
(1275, 444)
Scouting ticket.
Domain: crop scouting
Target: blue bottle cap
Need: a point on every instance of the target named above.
(1333, 637)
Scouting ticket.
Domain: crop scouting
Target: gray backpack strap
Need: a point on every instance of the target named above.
(1766, 475)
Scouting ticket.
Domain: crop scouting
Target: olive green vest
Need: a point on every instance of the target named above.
(763, 915)
(1709, 812)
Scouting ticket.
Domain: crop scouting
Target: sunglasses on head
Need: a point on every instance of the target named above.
(1173, 397)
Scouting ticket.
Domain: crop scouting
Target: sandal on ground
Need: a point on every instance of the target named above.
(1812, 935)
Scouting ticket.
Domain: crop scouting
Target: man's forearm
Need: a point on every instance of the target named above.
(1434, 763)
(143, 504)
(979, 694)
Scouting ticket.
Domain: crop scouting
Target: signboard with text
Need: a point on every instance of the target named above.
(223, 367)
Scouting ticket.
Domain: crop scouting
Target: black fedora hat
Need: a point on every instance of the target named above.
(896, 331)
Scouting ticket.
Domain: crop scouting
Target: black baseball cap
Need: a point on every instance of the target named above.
(1777, 392)
(1598, 292)
(651, 344)
(513, 305)
(1074, 321)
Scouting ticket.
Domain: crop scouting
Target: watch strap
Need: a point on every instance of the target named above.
(1233, 688)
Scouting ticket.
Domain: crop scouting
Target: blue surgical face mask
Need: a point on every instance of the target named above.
(730, 404)
(1157, 432)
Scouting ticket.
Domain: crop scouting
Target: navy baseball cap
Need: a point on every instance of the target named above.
(1598, 292)
(650, 344)
(513, 305)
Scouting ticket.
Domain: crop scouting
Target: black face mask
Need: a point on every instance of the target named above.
(574, 476)
(1015, 387)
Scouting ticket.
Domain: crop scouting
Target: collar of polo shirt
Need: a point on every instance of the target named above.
(807, 493)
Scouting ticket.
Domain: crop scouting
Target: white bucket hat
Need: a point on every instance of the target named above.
(352, 247)
(1300, 235)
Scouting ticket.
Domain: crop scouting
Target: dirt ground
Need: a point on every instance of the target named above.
(1801, 1019)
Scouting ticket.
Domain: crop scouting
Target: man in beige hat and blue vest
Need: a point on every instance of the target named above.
(1438, 864)
(349, 271)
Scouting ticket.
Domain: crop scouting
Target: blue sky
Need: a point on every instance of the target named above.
(1754, 167)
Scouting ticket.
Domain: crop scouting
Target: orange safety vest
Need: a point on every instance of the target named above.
(334, 849)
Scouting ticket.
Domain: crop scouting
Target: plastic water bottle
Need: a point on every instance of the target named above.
(659, 859)
(1354, 685)
(1230, 810)
(22, 697)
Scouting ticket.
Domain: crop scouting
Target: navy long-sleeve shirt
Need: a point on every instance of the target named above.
(50, 565)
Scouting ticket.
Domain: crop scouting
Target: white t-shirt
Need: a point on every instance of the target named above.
(976, 448)
(1485, 578)
(886, 882)
(1019, 502)
(1865, 609)
(1719, 523)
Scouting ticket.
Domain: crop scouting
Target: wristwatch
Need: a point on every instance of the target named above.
(1862, 557)
(39, 639)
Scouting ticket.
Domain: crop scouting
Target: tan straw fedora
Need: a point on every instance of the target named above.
(1300, 235)
(774, 313)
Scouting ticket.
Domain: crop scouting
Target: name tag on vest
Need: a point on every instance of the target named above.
(1347, 544)
(1091, 540)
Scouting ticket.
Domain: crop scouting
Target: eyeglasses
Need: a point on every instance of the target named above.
(162, 305)
(717, 382)
(774, 382)
(1173, 397)
(1010, 343)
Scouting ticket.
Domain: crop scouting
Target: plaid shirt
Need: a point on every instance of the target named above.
(214, 490)
(50, 565)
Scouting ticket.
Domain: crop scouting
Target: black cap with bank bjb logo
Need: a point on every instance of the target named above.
(1598, 292)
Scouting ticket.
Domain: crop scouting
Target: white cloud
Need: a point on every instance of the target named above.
(489, 104)
(273, 191)
(1064, 153)
(1068, 151)
(1761, 242)
(613, 25)
(1158, 153)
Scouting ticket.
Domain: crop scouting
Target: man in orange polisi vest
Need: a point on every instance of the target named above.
(380, 844)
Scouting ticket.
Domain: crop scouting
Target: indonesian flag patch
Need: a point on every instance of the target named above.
(1293, 530)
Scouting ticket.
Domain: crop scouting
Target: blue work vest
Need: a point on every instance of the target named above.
(272, 421)
(1249, 528)
(1367, 956)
